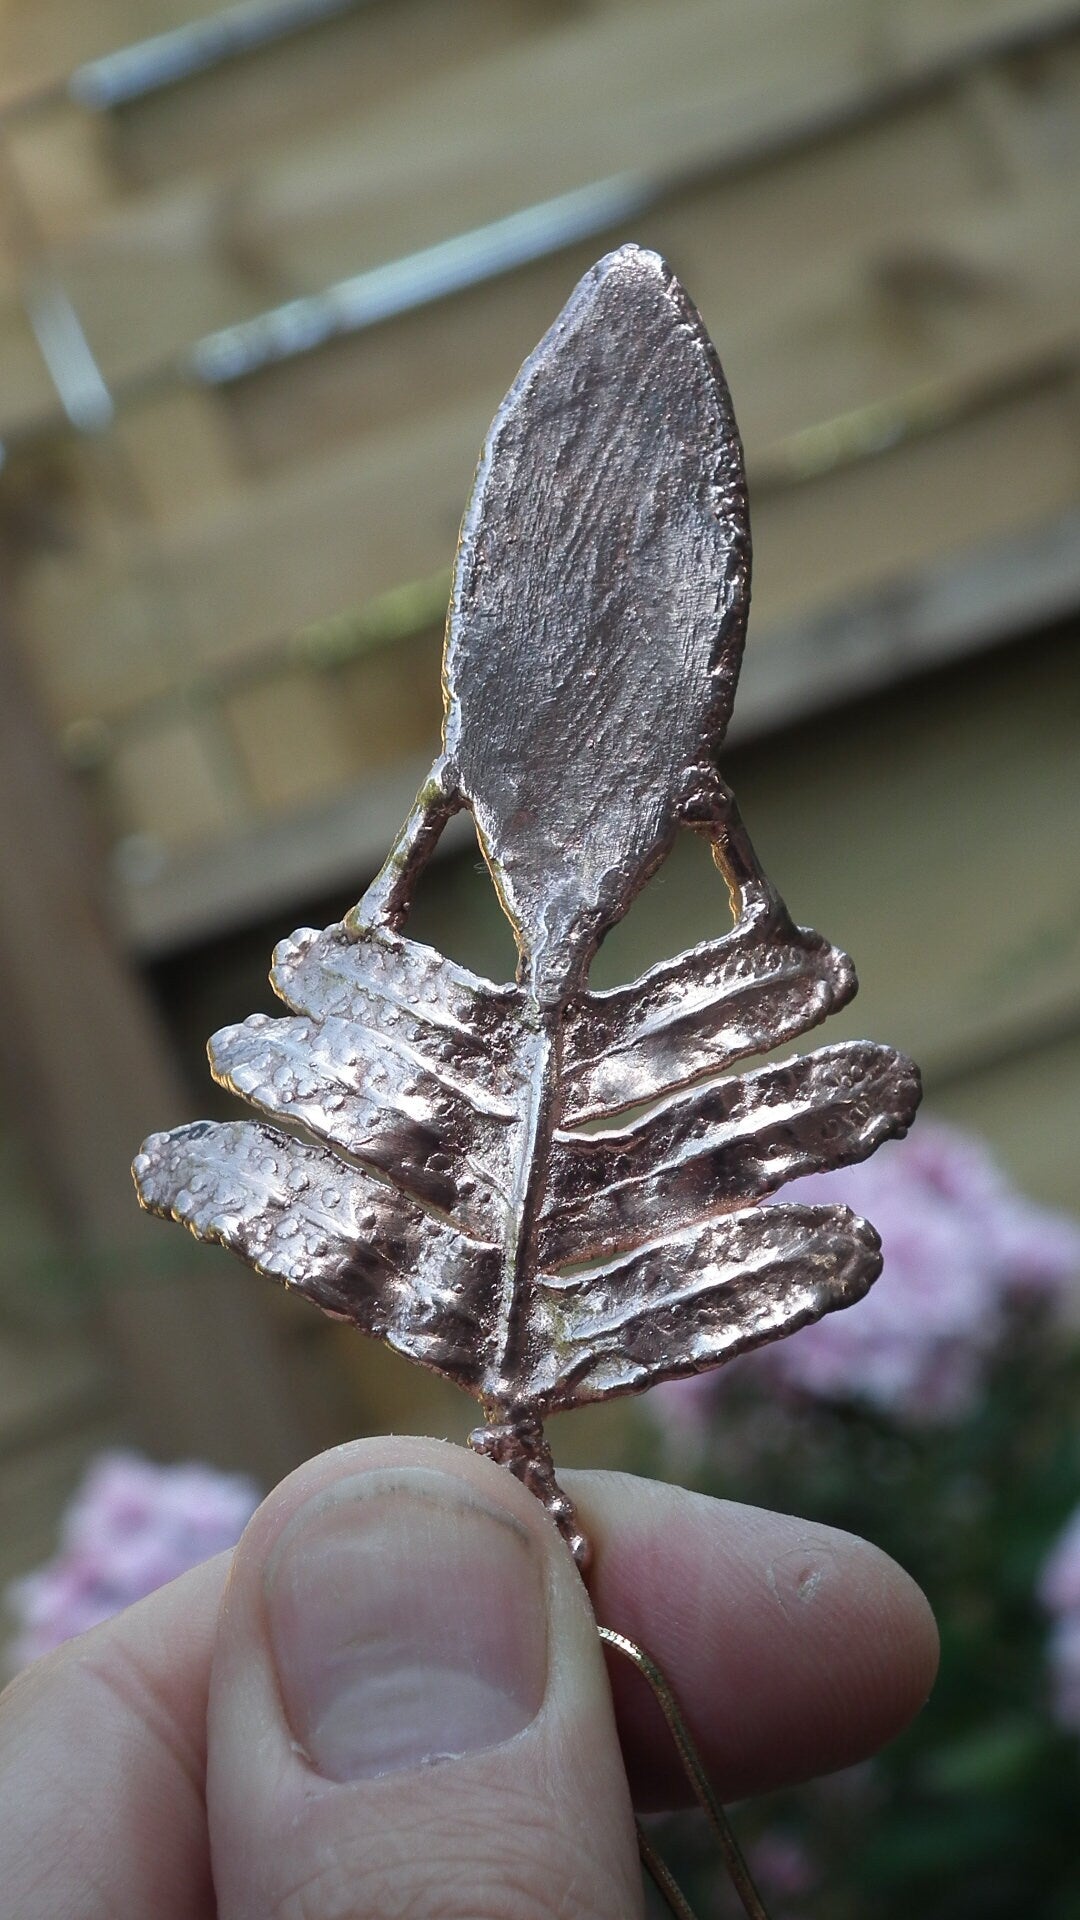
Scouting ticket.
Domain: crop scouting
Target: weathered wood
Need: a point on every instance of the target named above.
(192, 1356)
(295, 550)
(627, 87)
(914, 266)
(925, 502)
(907, 827)
(942, 612)
(36, 1485)
(798, 668)
(46, 48)
(336, 72)
(785, 220)
(898, 199)
(221, 887)
(308, 543)
(1026, 1102)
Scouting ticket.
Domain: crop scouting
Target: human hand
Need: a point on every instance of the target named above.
(394, 1702)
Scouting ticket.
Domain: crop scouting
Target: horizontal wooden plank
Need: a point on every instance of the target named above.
(747, 244)
(868, 528)
(1026, 1103)
(798, 207)
(194, 896)
(172, 788)
(906, 832)
(636, 87)
(49, 1383)
(108, 632)
(310, 736)
(41, 41)
(912, 622)
(36, 1486)
(359, 61)
(789, 674)
(296, 550)
(179, 453)
(906, 598)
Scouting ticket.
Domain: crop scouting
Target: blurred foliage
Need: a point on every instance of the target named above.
(972, 1814)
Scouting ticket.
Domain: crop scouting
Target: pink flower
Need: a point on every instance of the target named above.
(960, 1246)
(1059, 1592)
(1059, 1582)
(1063, 1659)
(131, 1527)
(782, 1865)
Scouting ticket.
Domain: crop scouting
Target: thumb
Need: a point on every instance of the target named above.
(409, 1712)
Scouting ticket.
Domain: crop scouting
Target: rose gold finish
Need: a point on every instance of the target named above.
(420, 1171)
(737, 1868)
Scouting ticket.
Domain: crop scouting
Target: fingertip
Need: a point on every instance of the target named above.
(795, 1648)
(102, 1763)
(893, 1639)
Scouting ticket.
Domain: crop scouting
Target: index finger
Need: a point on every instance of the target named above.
(793, 1648)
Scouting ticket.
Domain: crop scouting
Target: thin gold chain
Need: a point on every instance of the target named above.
(699, 1781)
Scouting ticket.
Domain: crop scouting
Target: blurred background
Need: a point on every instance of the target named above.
(265, 274)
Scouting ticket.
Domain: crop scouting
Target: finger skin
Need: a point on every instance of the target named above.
(793, 1648)
(103, 1766)
(537, 1827)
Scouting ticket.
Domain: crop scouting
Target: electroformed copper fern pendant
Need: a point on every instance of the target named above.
(425, 1173)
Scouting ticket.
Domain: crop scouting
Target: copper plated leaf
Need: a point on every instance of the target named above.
(599, 607)
(425, 1175)
(691, 1299)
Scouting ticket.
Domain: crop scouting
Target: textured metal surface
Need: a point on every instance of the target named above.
(718, 1149)
(613, 638)
(350, 1242)
(432, 1185)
